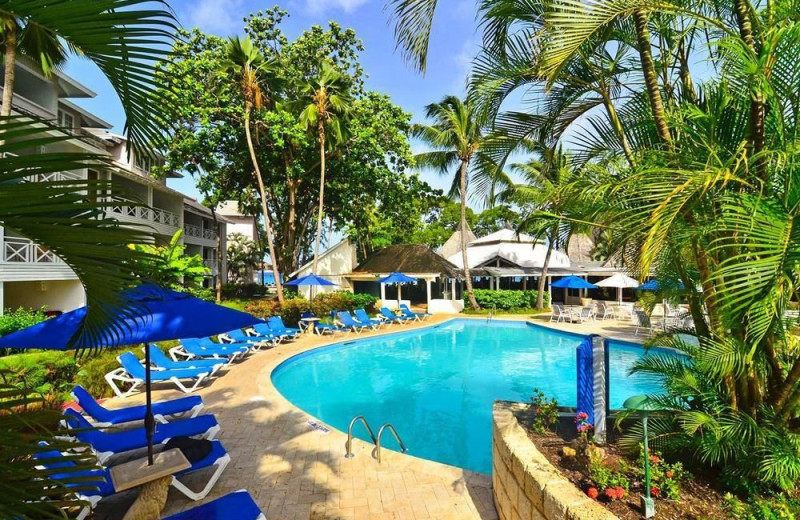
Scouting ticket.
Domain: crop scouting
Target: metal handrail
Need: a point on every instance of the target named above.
(348, 445)
(377, 451)
(490, 315)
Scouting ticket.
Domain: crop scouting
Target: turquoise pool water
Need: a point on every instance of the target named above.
(437, 385)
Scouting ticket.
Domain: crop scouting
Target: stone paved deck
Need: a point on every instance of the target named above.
(294, 472)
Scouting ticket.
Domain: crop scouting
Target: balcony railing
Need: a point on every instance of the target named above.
(22, 250)
(53, 176)
(159, 216)
(198, 232)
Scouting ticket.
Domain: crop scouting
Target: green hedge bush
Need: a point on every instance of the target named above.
(323, 304)
(508, 300)
(242, 291)
(52, 373)
(12, 321)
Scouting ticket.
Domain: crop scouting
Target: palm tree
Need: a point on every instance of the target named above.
(542, 189)
(124, 39)
(326, 107)
(249, 67)
(456, 139)
(34, 41)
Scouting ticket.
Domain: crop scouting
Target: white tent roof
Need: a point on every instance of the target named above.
(503, 235)
(521, 254)
(619, 281)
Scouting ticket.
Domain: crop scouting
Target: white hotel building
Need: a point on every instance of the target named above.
(31, 276)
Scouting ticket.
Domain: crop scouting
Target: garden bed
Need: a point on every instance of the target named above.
(698, 498)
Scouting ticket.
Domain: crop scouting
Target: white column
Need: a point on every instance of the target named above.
(2, 297)
(383, 293)
(428, 291)
(453, 289)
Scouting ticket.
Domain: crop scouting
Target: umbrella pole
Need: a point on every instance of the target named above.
(149, 425)
(398, 296)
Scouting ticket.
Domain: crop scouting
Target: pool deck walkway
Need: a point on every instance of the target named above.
(297, 472)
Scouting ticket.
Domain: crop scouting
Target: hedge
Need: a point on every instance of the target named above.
(322, 305)
(52, 373)
(507, 300)
(242, 290)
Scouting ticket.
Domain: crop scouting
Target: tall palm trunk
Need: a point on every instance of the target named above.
(263, 193)
(10, 62)
(650, 76)
(468, 279)
(545, 265)
(321, 129)
(757, 109)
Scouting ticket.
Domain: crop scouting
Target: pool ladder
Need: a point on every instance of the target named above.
(490, 316)
(375, 440)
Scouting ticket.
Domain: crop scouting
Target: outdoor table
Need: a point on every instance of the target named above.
(136, 472)
(310, 323)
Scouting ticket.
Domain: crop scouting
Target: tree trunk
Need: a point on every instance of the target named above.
(757, 109)
(616, 124)
(650, 76)
(321, 128)
(10, 62)
(545, 265)
(463, 182)
(218, 247)
(263, 192)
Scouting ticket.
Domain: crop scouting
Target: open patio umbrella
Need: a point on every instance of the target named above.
(655, 285)
(310, 280)
(398, 279)
(620, 281)
(151, 313)
(572, 282)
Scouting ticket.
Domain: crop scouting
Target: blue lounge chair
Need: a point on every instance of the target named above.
(105, 444)
(163, 361)
(258, 341)
(186, 406)
(392, 317)
(265, 330)
(209, 343)
(239, 505)
(349, 323)
(363, 317)
(276, 324)
(133, 372)
(191, 348)
(217, 458)
(418, 315)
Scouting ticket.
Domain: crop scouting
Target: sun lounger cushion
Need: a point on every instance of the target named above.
(134, 413)
(239, 505)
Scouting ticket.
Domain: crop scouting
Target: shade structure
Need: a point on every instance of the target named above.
(656, 285)
(309, 280)
(398, 279)
(573, 282)
(620, 281)
(151, 313)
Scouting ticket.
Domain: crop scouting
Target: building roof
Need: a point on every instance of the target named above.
(409, 259)
(92, 121)
(345, 242)
(503, 235)
(453, 244)
(519, 254)
(196, 207)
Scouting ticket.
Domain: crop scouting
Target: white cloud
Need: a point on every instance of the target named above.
(463, 62)
(320, 6)
(220, 17)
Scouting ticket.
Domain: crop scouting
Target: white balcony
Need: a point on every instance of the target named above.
(170, 221)
(22, 250)
(196, 234)
(54, 177)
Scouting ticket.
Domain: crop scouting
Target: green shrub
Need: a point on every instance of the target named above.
(777, 507)
(243, 290)
(203, 293)
(324, 303)
(262, 308)
(545, 412)
(12, 321)
(93, 368)
(51, 373)
(507, 300)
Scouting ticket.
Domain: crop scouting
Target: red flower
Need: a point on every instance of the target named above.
(592, 492)
(615, 493)
(655, 491)
(655, 459)
(620, 492)
(670, 474)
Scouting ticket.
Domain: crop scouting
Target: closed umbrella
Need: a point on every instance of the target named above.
(398, 279)
(151, 313)
(620, 281)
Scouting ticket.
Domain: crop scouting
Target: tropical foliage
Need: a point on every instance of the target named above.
(682, 118)
(169, 266)
(369, 194)
(243, 256)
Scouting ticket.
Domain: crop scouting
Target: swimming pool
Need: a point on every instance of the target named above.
(437, 385)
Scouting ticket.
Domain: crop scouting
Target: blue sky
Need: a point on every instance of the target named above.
(454, 42)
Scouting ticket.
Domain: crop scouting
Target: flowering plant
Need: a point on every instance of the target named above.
(583, 425)
(615, 493)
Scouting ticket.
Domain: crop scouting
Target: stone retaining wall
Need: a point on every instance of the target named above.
(524, 483)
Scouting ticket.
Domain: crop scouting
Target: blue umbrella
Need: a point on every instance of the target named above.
(573, 282)
(655, 285)
(398, 278)
(151, 313)
(309, 280)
